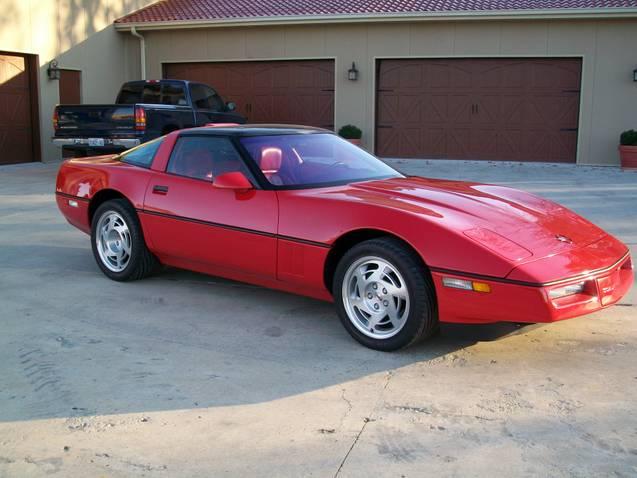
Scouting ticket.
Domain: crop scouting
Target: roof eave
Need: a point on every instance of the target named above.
(549, 14)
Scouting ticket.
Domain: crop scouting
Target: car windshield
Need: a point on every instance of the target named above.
(312, 160)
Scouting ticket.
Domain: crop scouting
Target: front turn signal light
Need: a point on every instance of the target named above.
(481, 287)
(466, 284)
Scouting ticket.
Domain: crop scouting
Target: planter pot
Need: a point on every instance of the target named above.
(628, 157)
(357, 142)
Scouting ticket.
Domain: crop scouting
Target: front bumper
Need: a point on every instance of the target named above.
(515, 301)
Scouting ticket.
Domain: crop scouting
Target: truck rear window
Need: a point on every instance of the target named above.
(164, 93)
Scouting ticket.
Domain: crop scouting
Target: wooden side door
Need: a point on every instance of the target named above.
(70, 86)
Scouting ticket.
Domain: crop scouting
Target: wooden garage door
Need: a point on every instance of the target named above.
(290, 92)
(495, 109)
(16, 128)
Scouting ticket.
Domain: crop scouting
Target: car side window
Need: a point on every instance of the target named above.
(204, 158)
(172, 93)
(143, 154)
(205, 98)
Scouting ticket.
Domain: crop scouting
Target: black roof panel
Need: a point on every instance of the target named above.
(255, 130)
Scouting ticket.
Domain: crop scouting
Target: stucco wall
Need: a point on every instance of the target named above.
(608, 100)
(80, 35)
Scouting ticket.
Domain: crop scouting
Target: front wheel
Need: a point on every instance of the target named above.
(384, 296)
(118, 242)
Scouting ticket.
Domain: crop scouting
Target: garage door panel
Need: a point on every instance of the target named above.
(389, 109)
(459, 108)
(489, 109)
(410, 109)
(514, 77)
(512, 110)
(487, 98)
(436, 109)
(292, 92)
(509, 144)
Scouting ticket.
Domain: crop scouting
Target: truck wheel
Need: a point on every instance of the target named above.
(118, 242)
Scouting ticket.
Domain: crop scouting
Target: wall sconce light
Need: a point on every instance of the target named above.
(352, 73)
(53, 72)
(635, 75)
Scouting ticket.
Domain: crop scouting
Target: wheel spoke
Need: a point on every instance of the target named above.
(377, 275)
(360, 304)
(121, 229)
(392, 313)
(126, 242)
(360, 279)
(114, 241)
(376, 297)
(375, 319)
(395, 291)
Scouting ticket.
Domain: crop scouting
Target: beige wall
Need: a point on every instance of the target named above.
(80, 35)
(609, 97)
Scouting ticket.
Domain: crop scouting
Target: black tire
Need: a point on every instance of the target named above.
(142, 262)
(422, 319)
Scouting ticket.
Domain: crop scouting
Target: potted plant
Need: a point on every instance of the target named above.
(628, 149)
(351, 133)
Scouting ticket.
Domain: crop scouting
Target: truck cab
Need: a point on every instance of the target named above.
(143, 110)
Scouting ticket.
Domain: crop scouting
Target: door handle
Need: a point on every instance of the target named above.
(160, 190)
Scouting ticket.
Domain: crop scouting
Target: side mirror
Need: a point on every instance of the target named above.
(231, 106)
(235, 180)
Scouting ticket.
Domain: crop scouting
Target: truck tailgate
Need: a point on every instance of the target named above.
(95, 120)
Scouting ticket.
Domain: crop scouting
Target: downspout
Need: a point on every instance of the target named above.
(142, 50)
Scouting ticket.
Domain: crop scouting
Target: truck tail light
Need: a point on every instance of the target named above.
(140, 119)
(55, 119)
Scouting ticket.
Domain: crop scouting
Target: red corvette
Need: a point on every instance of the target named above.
(301, 210)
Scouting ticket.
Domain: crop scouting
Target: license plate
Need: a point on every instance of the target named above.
(96, 141)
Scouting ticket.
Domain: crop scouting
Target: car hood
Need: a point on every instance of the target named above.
(517, 225)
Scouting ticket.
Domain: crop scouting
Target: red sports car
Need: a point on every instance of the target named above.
(301, 210)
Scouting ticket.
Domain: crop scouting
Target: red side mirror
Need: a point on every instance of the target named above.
(234, 180)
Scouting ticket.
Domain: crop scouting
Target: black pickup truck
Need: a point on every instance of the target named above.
(144, 110)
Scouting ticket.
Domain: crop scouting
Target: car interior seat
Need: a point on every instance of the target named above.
(198, 163)
(271, 160)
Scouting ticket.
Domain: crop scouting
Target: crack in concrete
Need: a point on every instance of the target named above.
(358, 435)
(366, 420)
(349, 408)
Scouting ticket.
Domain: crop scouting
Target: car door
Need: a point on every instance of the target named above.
(195, 225)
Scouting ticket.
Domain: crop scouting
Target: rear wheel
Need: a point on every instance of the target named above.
(384, 296)
(118, 242)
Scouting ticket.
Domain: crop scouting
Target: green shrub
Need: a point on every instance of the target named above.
(628, 138)
(349, 131)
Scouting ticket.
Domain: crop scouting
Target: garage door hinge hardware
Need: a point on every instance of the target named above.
(384, 126)
(380, 90)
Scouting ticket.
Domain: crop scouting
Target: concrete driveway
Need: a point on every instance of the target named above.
(188, 375)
